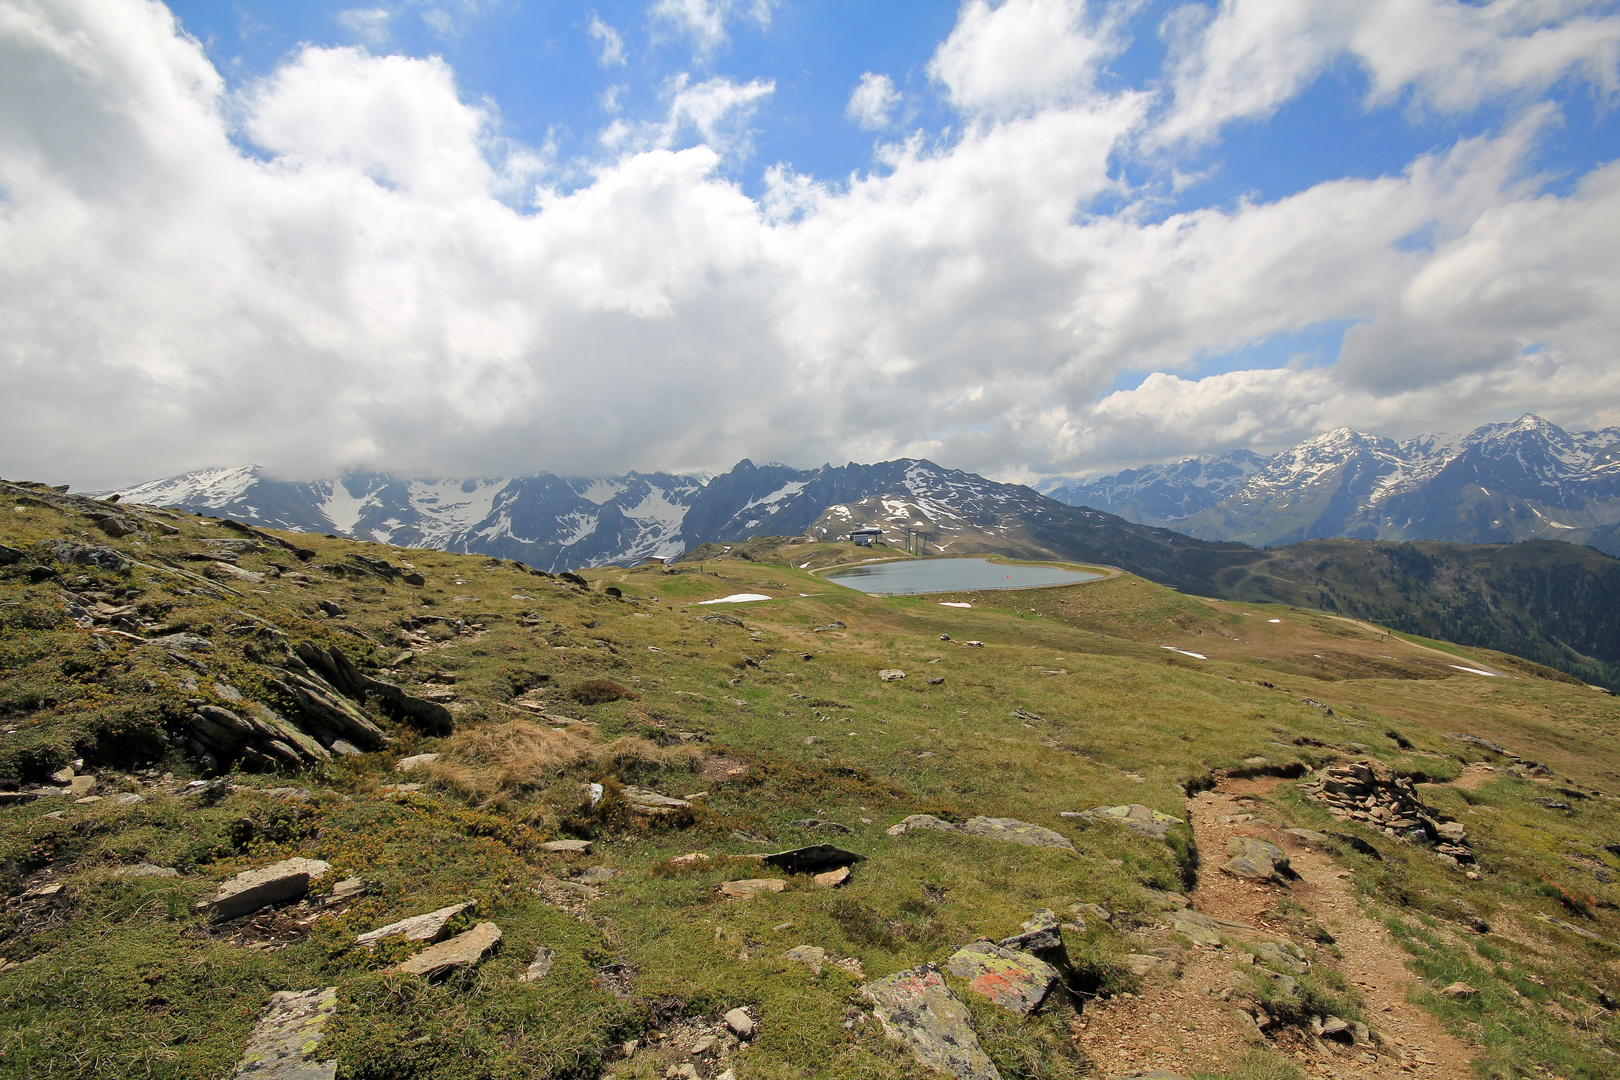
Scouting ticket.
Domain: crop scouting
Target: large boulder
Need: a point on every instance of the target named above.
(1014, 980)
(251, 890)
(1013, 831)
(917, 1008)
(285, 1043)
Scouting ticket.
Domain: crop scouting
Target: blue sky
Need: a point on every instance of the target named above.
(1026, 237)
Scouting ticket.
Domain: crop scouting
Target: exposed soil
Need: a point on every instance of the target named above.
(1183, 1024)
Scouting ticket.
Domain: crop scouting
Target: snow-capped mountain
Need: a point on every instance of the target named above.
(559, 523)
(1498, 483)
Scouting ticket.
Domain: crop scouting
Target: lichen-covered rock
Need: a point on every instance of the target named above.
(1014, 980)
(1142, 820)
(285, 1043)
(917, 1008)
(1013, 831)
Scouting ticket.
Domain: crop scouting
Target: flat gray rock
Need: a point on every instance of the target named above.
(1255, 859)
(286, 1040)
(813, 957)
(1040, 933)
(922, 821)
(647, 801)
(917, 1008)
(417, 928)
(1274, 955)
(251, 890)
(1013, 831)
(463, 950)
(1016, 981)
(146, 869)
(543, 959)
(567, 847)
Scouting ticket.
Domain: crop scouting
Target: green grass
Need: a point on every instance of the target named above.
(132, 984)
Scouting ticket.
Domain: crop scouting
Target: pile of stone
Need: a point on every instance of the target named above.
(1369, 791)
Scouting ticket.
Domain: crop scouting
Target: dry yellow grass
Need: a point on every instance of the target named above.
(504, 759)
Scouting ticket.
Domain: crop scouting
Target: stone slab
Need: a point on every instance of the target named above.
(251, 890)
(417, 928)
(463, 950)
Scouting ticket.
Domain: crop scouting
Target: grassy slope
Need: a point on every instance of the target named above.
(133, 984)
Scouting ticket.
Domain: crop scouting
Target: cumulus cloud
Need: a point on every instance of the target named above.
(872, 101)
(347, 264)
(1246, 58)
(1022, 55)
(608, 41)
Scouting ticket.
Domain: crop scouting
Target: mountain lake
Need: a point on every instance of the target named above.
(909, 577)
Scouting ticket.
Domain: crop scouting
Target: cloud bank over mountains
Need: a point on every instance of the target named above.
(347, 264)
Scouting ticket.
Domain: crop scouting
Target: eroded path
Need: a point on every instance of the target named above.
(1203, 1020)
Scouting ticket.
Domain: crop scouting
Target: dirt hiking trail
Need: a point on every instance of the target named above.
(1205, 1020)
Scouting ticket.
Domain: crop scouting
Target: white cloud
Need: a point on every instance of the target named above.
(1022, 55)
(872, 101)
(1247, 58)
(716, 111)
(704, 21)
(370, 25)
(384, 281)
(608, 41)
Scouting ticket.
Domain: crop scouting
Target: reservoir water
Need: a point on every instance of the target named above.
(908, 577)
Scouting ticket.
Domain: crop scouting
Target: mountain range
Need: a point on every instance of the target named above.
(1499, 483)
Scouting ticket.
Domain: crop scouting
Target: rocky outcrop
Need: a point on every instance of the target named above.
(285, 1043)
(1369, 791)
(917, 1008)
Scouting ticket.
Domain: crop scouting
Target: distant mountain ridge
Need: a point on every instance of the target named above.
(1498, 484)
(558, 523)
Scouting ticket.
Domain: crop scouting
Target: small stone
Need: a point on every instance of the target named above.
(285, 1041)
(741, 1024)
(1458, 991)
(691, 858)
(128, 798)
(684, 1071)
(81, 785)
(463, 950)
(748, 888)
(567, 847)
(891, 674)
(832, 879)
(543, 959)
(596, 875)
(1142, 964)
(416, 761)
(812, 956)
